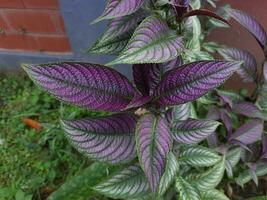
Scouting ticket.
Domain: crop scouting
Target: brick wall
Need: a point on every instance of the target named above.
(33, 26)
(238, 37)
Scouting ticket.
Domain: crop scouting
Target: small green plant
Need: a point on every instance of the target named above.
(172, 129)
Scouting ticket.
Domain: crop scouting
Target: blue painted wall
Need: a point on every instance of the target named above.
(77, 14)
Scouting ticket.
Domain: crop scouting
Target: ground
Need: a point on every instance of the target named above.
(34, 163)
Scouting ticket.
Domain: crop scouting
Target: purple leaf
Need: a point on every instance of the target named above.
(205, 12)
(248, 109)
(154, 141)
(212, 139)
(248, 70)
(226, 121)
(138, 101)
(158, 70)
(225, 100)
(250, 24)
(177, 62)
(213, 113)
(193, 131)
(241, 144)
(181, 112)
(152, 42)
(109, 139)
(86, 85)
(118, 33)
(119, 8)
(141, 74)
(191, 81)
(265, 70)
(249, 132)
(264, 146)
(148, 76)
(123, 25)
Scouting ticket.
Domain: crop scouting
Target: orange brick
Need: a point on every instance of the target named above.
(54, 44)
(18, 42)
(31, 21)
(3, 24)
(11, 4)
(41, 4)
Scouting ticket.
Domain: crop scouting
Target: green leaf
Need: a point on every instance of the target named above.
(127, 183)
(245, 176)
(186, 190)
(167, 178)
(232, 158)
(193, 32)
(80, 187)
(152, 42)
(262, 98)
(209, 179)
(20, 195)
(198, 156)
(214, 195)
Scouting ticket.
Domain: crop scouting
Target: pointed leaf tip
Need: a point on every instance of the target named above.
(113, 93)
(191, 81)
(107, 139)
(162, 44)
(193, 131)
(251, 24)
(153, 142)
(119, 8)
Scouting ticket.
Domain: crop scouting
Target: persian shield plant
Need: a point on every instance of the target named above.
(156, 126)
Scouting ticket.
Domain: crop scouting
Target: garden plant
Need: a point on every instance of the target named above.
(171, 133)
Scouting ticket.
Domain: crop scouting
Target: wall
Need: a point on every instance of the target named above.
(238, 37)
(32, 25)
(78, 14)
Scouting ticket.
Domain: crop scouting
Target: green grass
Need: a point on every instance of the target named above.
(34, 164)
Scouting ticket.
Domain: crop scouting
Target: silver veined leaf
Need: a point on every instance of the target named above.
(181, 112)
(249, 132)
(248, 109)
(108, 139)
(152, 42)
(198, 156)
(117, 35)
(113, 46)
(128, 183)
(231, 160)
(171, 171)
(119, 8)
(186, 190)
(250, 24)
(210, 179)
(189, 82)
(153, 140)
(193, 131)
(214, 195)
(245, 176)
(91, 86)
(248, 70)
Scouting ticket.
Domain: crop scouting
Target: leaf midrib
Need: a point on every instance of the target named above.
(166, 92)
(87, 88)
